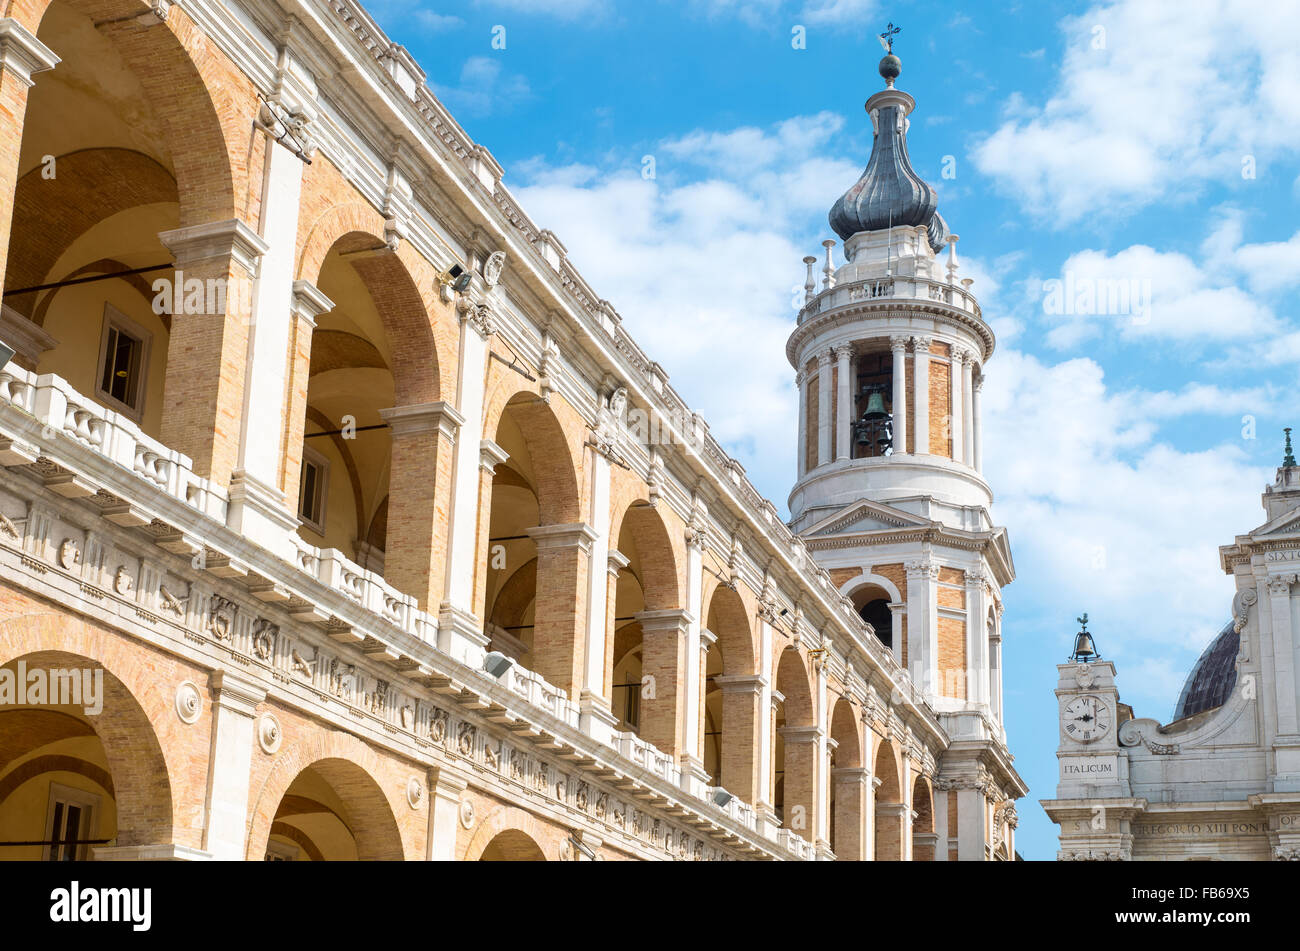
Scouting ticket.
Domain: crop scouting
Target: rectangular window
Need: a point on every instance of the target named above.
(123, 363)
(312, 490)
(70, 823)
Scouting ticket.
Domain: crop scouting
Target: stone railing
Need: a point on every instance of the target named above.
(897, 288)
(736, 809)
(63, 413)
(795, 844)
(530, 686)
(648, 757)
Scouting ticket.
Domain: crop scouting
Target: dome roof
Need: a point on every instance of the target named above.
(1212, 679)
(890, 192)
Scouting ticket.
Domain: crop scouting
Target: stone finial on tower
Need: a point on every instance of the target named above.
(1288, 458)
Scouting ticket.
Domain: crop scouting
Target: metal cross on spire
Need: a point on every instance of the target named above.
(887, 38)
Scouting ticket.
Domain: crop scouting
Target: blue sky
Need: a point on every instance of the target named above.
(1139, 141)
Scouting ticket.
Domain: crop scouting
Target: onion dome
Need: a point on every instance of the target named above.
(889, 193)
(1211, 681)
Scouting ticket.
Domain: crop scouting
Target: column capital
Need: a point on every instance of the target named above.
(307, 302)
(751, 684)
(230, 240)
(617, 561)
(490, 455)
(443, 783)
(898, 343)
(573, 535)
(800, 734)
(672, 619)
(479, 316)
(921, 344)
(825, 358)
(234, 693)
(21, 53)
(961, 355)
(843, 351)
(439, 417)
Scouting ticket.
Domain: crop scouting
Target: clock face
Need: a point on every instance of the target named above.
(1086, 719)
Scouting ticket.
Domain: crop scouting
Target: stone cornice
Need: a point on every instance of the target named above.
(21, 53)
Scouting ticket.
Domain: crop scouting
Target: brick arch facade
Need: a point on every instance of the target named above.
(371, 785)
(728, 617)
(152, 768)
(555, 449)
(199, 96)
(507, 819)
(73, 202)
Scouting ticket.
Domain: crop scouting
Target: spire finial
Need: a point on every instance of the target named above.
(1288, 459)
(890, 66)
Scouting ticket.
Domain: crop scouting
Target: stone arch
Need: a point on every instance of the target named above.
(134, 705)
(349, 766)
(522, 830)
(796, 745)
(199, 98)
(731, 693)
(872, 596)
(889, 804)
(924, 840)
(848, 784)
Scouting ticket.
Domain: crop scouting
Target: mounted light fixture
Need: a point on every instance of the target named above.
(497, 663)
(6, 354)
(455, 281)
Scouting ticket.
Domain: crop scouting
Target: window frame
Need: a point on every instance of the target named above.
(88, 802)
(114, 319)
(319, 461)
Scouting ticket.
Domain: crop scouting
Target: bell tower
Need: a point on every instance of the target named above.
(889, 356)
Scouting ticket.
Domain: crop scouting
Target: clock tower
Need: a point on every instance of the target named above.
(1091, 765)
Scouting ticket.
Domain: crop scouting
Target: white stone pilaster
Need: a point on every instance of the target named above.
(596, 719)
(977, 448)
(1284, 674)
(956, 422)
(824, 422)
(967, 409)
(460, 632)
(445, 789)
(977, 641)
(694, 776)
(922, 624)
(234, 706)
(898, 347)
(843, 404)
(921, 391)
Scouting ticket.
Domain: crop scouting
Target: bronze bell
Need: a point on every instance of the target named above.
(875, 407)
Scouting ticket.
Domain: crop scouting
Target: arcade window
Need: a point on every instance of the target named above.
(123, 363)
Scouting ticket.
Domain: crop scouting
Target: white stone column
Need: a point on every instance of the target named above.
(595, 717)
(234, 706)
(822, 779)
(995, 667)
(872, 785)
(843, 404)
(763, 804)
(259, 509)
(824, 422)
(694, 777)
(445, 789)
(971, 821)
(922, 625)
(897, 611)
(967, 408)
(978, 689)
(801, 462)
(460, 632)
(921, 391)
(977, 454)
(956, 421)
(940, 794)
(898, 346)
(1279, 600)
(909, 807)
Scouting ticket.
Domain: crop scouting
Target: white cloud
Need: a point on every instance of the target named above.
(703, 266)
(484, 88)
(1106, 516)
(1177, 96)
(560, 9)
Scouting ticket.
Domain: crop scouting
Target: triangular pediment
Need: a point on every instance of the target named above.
(865, 516)
(1288, 523)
